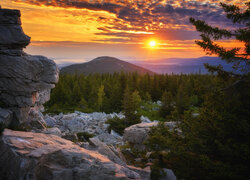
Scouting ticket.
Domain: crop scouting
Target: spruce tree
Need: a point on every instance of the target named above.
(131, 103)
(215, 144)
(167, 104)
(100, 97)
(237, 57)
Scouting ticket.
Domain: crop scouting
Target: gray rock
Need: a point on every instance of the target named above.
(22, 78)
(27, 155)
(11, 33)
(138, 133)
(71, 137)
(115, 134)
(145, 119)
(25, 80)
(12, 37)
(105, 150)
(93, 123)
(5, 116)
(8, 16)
(169, 175)
(144, 173)
(53, 130)
(110, 139)
(50, 121)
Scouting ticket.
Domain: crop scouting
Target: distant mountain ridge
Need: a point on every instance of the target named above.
(182, 65)
(104, 64)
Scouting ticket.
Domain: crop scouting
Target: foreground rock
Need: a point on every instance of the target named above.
(27, 155)
(137, 134)
(25, 80)
(113, 154)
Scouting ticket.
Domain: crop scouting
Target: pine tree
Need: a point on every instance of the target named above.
(100, 97)
(215, 144)
(167, 104)
(131, 103)
(238, 57)
(182, 99)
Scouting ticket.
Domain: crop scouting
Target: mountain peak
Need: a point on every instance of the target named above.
(104, 64)
(101, 58)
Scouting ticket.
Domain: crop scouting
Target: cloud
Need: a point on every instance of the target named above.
(166, 19)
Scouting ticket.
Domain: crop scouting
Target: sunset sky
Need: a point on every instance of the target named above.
(80, 30)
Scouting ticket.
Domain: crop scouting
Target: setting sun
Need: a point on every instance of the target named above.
(152, 43)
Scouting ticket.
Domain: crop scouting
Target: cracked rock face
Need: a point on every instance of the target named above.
(30, 155)
(25, 80)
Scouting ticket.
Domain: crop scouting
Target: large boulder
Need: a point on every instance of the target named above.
(105, 150)
(27, 155)
(137, 134)
(25, 80)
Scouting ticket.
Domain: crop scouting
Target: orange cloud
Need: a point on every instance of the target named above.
(69, 23)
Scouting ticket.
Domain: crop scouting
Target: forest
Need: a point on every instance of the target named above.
(106, 92)
(158, 97)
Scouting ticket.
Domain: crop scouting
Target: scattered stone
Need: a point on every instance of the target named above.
(195, 114)
(115, 134)
(50, 121)
(93, 123)
(145, 119)
(110, 139)
(148, 154)
(53, 130)
(71, 136)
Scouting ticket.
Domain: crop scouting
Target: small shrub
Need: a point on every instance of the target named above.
(157, 172)
(116, 124)
(84, 136)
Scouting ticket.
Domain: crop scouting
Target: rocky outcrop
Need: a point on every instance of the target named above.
(30, 155)
(137, 134)
(12, 38)
(25, 80)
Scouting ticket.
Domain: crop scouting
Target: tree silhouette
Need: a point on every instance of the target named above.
(238, 57)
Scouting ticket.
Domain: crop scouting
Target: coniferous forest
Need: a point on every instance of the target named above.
(106, 92)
